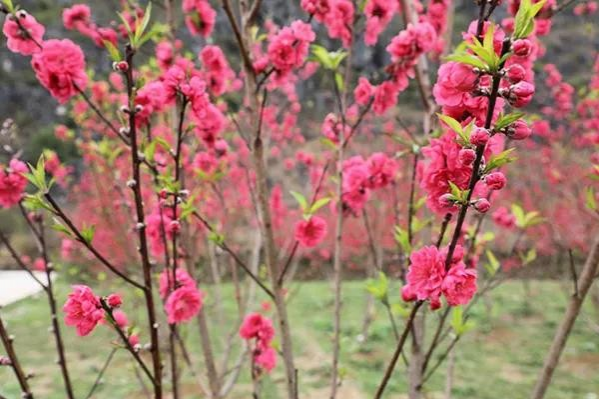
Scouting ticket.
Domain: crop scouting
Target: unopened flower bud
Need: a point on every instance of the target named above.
(139, 226)
(482, 205)
(124, 109)
(434, 304)
(495, 180)
(446, 200)
(163, 193)
(519, 130)
(21, 13)
(467, 156)
(114, 300)
(521, 94)
(139, 108)
(480, 136)
(522, 47)
(174, 227)
(131, 183)
(122, 66)
(407, 293)
(516, 73)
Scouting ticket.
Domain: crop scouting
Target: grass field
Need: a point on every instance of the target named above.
(499, 359)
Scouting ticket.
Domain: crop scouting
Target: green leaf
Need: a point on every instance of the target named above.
(493, 264)
(452, 123)
(489, 58)
(127, 28)
(150, 150)
(328, 143)
(456, 191)
(518, 214)
(401, 236)
(61, 228)
(468, 59)
(401, 310)
(591, 200)
(115, 54)
(88, 233)
(532, 219)
(499, 160)
(321, 55)
(505, 120)
(158, 29)
(458, 323)
(488, 39)
(524, 20)
(379, 288)
(216, 238)
(301, 200)
(319, 204)
(141, 27)
(337, 57)
(37, 175)
(36, 202)
(339, 81)
(529, 257)
(9, 5)
(418, 225)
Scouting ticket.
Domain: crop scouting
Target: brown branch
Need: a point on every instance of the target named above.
(62, 359)
(7, 341)
(98, 380)
(126, 341)
(223, 245)
(88, 245)
(586, 279)
(398, 351)
(141, 230)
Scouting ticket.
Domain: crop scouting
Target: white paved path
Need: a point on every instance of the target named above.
(16, 285)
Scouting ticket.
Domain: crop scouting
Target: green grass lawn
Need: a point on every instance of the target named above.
(499, 359)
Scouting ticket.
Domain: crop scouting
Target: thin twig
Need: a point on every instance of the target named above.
(101, 373)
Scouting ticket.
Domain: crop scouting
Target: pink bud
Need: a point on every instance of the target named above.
(221, 147)
(114, 300)
(522, 47)
(480, 136)
(446, 200)
(4, 361)
(482, 205)
(122, 66)
(521, 94)
(120, 318)
(516, 73)
(519, 130)
(407, 293)
(134, 340)
(174, 227)
(163, 193)
(435, 303)
(467, 156)
(495, 180)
